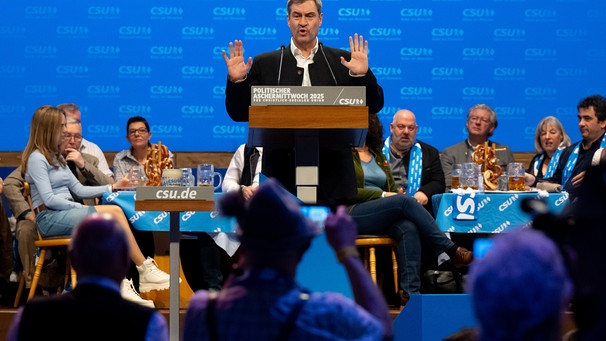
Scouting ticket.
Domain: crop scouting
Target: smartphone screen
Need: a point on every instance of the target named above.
(316, 213)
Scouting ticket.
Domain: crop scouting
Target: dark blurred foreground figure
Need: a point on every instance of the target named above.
(262, 301)
(94, 309)
(520, 288)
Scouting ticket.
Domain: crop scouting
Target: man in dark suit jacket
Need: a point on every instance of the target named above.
(94, 309)
(305, 61)
(415, 165)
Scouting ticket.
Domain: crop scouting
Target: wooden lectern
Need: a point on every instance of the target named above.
(307, 128)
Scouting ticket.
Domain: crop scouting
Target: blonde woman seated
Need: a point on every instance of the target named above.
(52, 184)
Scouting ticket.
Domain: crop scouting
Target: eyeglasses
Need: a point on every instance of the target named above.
(479, 119)
(76, 137)
(141, 131)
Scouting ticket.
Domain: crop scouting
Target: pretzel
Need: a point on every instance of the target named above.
(157, 160)
(485, 155)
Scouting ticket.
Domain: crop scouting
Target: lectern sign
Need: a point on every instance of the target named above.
(308, 95)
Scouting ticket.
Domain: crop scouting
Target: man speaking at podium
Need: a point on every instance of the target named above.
(304, 62)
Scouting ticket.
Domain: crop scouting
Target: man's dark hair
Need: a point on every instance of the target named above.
(598, 102)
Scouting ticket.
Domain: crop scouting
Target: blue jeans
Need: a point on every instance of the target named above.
(404, 219)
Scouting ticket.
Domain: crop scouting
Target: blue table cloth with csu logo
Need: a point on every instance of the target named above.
(489, 212)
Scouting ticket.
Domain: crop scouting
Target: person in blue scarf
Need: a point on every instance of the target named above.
(415, 165)
(581, 155)
(550, 139)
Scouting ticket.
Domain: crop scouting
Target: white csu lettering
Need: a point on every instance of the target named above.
(176, 193)
(466, 208)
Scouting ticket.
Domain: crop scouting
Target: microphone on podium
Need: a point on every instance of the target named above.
(327, 63)
(280, 67)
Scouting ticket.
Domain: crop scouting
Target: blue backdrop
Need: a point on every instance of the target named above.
(162, 60)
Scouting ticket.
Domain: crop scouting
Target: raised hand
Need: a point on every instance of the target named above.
(358, 65)
(236, 68)
(341, 230)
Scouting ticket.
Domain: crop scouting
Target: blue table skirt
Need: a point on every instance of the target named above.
(489, 212)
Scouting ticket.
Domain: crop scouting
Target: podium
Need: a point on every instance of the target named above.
(307, 128)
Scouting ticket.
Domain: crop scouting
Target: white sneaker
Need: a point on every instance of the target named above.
(152, 278)
(127, 289)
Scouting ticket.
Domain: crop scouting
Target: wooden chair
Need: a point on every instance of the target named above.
(43, 244)
(368, 244)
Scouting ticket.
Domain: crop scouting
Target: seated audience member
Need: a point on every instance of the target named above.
(7, 262)
(53, 188)
(93, 310)
(138, 135)
(414, 164)
(378, 208)
(82, 165)
(481, 124)
(550, 139)
(243, 171)
(262, 298)
(72, 111)
(520, 288)
(581, 155)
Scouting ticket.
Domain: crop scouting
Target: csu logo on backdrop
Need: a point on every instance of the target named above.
(166, 52)
(260, 32)
(328, 33)
(571, 33)
(478, 14)
(509, 73)
(510, 112)
(40, 51)
(447, 73)
(197, 72)
(540, 93)
(509, 34)
(537, 14)
(392, 73)
(229, 130)
(103, 129)
(103, 12)
(416, 53)
(103, 51)
(565, 111)
(197, 111)
(40, 90)
(385, 33)
(478, 92)
(416, 14)
(11, 109)
(166, 129)
(447, 112)
(424, 132)
(134, 109)
(71, 71)
(229, 13)
(536, 53)
(13, 31)
(353, 14)
(135, 32)
(416, 92)
(197, 32)
(166, 91)
(447, 34)
(41, 12)
(12, 70)
(72, 32)
(571, 73)
(103, 91)
(478, 53)
(388, 112)
(135, 71)
(281, 12)
(166, 12)
(219, 91)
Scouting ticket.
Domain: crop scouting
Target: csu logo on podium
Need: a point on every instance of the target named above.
(465, 207)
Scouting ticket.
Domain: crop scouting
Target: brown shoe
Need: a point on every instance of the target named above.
(462, 257)
(403, 299)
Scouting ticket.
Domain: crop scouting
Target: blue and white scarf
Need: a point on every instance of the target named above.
(572, 160)
(415, 165)
(551, 167)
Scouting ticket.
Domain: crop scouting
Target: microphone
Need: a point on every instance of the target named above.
(327, 63)
(280, 67)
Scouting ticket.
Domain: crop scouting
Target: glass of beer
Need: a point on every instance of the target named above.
(515, 176)
(470, 173)
(456, 176)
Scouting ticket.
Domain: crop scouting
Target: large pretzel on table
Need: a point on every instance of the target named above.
(485, 155)
(157, 160)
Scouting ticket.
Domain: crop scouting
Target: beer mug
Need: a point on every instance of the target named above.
(136, 177)
(171, 177)
(206, 175)
(470, 173)
(456, 176)
(515, 175)
(187, 177)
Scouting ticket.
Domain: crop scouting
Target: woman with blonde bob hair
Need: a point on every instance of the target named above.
(52, 184)
(550, 139)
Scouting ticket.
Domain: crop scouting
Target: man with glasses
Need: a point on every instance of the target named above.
(480, 125)
(72, 112)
